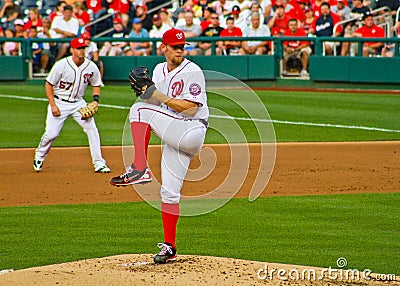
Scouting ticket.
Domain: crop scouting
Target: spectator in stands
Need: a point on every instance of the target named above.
(81, 14)
(10, 11)
(95, 7)
(115, 48)
(266, 8)
(255, 7)
(122, 7)
(10, 48)
(141, 12)
(206, 18)
(359, 9)
(37, 48)
(191, 30)
(245, 4)
(323, 26)
(316, 7)
(49, 52)
(230, 47)
(35, 19)
(294, 10)
(222, 7)
(58, 10)
(280, 19)
(308, 22)
(369, 30)
(166, 17)
(19, 28)
(341, 10)
(240, 21)
(256, 29)
(138, 32)
(181, 20)
(198, 9)
(92, 52)
(214, 30)
(64, 27)
(392, 4)
(158, 30)
(296, 49)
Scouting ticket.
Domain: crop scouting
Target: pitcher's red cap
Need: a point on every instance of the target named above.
(77, 43)
(174, 37)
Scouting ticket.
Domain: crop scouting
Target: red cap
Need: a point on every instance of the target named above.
(156, 17)
(86, 36)
(77, 43)
(174, 37)
(117, 20)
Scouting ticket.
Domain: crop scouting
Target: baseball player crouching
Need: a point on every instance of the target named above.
(65, 88)
(175, 109)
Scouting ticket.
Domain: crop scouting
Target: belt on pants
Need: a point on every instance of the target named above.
(204, 122)
(57, 97)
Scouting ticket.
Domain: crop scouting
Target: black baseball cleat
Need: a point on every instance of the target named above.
(131, 177)
(166, 254)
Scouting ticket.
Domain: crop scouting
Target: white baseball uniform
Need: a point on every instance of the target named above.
(183, 136)
(69, 83)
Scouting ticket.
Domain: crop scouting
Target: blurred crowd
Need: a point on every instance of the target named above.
(123, 19)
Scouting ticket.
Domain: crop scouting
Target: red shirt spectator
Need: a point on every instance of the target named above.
(94, 5)
(294, 44)
(121, 6)
(279, 20)
(370, 30)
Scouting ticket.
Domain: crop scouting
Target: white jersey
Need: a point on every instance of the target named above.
(89, 51)
(70, 81)
(184, 82)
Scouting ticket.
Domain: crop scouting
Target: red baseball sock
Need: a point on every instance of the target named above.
(141, 137)
(170, 216)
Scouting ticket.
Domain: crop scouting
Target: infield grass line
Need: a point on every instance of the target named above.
(286, 122)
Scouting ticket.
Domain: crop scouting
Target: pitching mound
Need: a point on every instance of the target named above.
(138, 269)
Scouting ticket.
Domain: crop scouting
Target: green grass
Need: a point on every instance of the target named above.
(306, 230)
(23, 121)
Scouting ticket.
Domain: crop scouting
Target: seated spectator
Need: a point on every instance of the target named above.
(166, 17)
(138, 32)
(206, 18)
(49, 52)
(392, 4)
(256, 29)
(81, 14)
(214, 30)
(369, 30)
(279, 21)
(240, 21)
(10, 11)
(266, 8)
(122, 8)
(307, 24)
(92, 52)
(19, 28)
(296, 49)
(323, 26)
(37, 48)
(65, 26)
(35, 19)
(255, 7)
(198, 9)
(115, 48)
(359, 9)
(181, 20)
(245, 4)
(222, 7)
(95, 8)
(141, 12)
(10, 48)
(230, 47)
(158, 30)
(191, 30)
(341, 10)
(58, 10)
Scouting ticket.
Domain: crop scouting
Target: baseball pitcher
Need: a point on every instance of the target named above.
(175, 109)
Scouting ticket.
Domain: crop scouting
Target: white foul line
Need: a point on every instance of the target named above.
(366, 128)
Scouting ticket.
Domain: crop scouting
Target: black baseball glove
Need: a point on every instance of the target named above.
(141, 82)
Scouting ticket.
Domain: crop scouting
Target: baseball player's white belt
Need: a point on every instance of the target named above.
(62, 99)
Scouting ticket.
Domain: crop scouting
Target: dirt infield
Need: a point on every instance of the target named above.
(300, 169)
